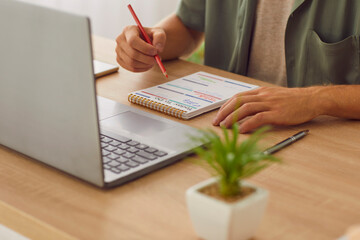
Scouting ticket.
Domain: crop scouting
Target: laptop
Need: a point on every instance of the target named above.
(50, 112)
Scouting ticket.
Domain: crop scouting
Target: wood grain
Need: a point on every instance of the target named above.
(314, 193)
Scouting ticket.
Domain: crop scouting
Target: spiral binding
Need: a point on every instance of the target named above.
(160, 107)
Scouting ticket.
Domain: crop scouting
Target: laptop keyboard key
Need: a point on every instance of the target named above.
(113, 156)
(115, 170)
(128, 155)
(104, 152)
(123, 146)
(160, 153)
(146, 155)
(139, 159)
(132, 164)
(132, 150)
(104, 145)
(123, 167)
(106, 160)
(133, 143)
(110, 148)
(142, 146)
(123, 139)
(113, 164)
(106, 140)
(150, 150)
(121, 159)
(119, 151)
(114, 143)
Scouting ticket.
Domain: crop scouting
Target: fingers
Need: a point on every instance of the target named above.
(260, 119)
(133, 40)
(247, 109)
(248, 93)
(233, 104)
(274, 105)
(134, 53)
(159, 38)
(131, 68)
(135, 58)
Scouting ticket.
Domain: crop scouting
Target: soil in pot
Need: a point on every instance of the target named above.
(213, 191)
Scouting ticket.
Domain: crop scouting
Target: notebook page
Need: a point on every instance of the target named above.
(196, 93)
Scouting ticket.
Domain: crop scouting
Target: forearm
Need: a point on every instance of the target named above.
(180, 40)
(338, 101)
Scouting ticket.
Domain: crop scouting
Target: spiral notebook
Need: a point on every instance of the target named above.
(189, 96)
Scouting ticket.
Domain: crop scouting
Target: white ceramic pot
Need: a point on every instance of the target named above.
(214, 219)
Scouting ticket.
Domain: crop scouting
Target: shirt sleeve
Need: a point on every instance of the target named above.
(192, 14)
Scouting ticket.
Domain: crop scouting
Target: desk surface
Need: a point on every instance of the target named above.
(314, 194)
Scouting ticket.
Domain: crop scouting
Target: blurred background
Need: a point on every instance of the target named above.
(109, 17)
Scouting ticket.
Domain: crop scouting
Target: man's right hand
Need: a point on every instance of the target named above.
(134, 53)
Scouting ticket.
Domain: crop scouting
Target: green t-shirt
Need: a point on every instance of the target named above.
(321, 38)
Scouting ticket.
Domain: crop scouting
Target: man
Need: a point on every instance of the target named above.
(318, 59)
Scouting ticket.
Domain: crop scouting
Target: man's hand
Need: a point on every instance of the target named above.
(269, 105)
(134, 53)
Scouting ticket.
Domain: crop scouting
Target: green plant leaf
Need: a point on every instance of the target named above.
(232, 161)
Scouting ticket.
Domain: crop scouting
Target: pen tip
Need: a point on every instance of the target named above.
(165, 74)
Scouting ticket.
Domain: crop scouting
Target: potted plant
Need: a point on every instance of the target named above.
(225, 206)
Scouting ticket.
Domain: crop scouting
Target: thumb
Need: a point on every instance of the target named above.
(158, 38)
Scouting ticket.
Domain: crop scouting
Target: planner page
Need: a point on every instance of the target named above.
(193, 94)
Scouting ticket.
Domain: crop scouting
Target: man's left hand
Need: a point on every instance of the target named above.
(269, 105)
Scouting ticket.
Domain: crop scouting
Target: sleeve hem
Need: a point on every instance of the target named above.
(192, 15)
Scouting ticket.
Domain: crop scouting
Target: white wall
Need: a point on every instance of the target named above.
(109, 17)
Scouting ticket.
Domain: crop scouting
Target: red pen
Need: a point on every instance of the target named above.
(157, 58)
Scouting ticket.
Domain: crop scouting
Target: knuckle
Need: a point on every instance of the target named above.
(237, 100)
(118, 49)
(265, 92)
(128, 28)
(234, 103)
(246, 107)
(134, 54)
(132, 41)
(132, 62)
(160, 34)
(119, 38)
(260, 117)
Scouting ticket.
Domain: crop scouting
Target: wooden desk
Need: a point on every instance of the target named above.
(315, 193)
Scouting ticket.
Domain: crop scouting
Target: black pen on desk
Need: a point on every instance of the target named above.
(286, 142)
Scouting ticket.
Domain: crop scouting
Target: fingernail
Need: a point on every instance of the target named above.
(214, 122)
(241, 130)
(222, 124)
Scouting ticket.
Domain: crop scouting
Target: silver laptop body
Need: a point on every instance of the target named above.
(48, 103)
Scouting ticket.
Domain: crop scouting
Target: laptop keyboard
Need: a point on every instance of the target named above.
(122, 154)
